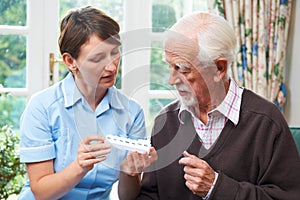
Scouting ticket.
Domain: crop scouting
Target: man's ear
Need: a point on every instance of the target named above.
(222, 65)
(69, 61)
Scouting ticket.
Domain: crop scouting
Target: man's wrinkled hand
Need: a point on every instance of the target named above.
(135, 163)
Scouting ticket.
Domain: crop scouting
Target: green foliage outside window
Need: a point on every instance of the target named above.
(13, 12)
(13, 47)
(10, 110)
(13, 75)
(163, 17)
(12, 171)
(13, 61)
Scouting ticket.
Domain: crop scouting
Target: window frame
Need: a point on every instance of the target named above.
(42, 32)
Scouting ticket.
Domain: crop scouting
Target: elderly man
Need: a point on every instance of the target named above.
(219, 141)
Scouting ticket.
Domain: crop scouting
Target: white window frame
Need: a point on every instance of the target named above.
(138, 15)
(42, 32)
(41, 26)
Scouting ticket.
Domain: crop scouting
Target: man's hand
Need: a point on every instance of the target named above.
(199, 175)
(135, 163)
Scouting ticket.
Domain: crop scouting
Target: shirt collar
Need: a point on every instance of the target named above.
(115, 98)
(110, 100)
(70, 91)
(230, 106)
(72, 95)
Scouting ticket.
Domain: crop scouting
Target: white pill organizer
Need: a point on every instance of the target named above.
(139, 145)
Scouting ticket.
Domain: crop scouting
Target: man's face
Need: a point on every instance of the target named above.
(186, 73)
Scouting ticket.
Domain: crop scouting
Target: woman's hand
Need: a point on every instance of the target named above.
(47, 184)
(92, 150)
(135, 163)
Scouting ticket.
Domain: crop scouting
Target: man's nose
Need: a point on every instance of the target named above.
(173, 78)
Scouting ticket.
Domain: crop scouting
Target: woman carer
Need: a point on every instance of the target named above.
(63, 127)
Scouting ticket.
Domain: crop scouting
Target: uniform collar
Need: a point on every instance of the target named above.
(72, 95)
(70, 91)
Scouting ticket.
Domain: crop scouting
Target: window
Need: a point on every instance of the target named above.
(164, 14)
(25, 44)
(13, 45)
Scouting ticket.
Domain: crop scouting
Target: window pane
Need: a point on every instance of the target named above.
(155, 106)
(13, 12)
(113, 8)
(13, 61)
(200, 5)
(62, 71)
(165, 13)
(11, 108)
(159, 71)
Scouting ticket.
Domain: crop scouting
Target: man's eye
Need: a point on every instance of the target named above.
(179, 65)
(184, 71)
(182, 68)
(182, 65)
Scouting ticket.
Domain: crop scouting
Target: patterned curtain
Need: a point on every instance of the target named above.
(261, 28)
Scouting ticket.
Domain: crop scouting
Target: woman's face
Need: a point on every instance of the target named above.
(98, 63)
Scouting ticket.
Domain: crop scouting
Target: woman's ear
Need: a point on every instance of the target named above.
(222, 65)
(69, 61)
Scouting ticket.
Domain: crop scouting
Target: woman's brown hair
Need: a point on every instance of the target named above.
(78, 25)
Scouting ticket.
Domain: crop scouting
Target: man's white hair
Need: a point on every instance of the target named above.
(215, 37)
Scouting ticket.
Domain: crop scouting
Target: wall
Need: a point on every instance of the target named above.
(292, 76)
